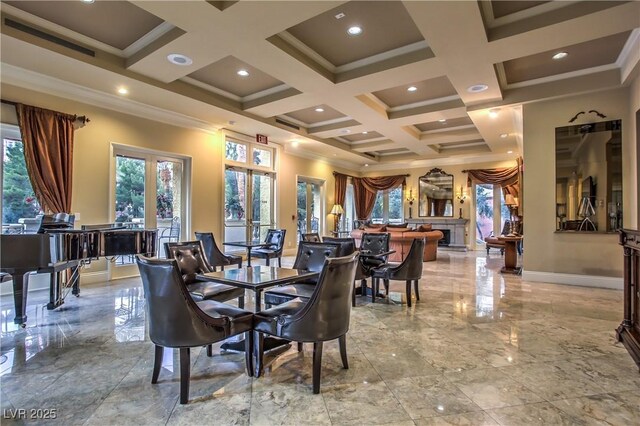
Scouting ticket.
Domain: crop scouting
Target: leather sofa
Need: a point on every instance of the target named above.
(401, 238)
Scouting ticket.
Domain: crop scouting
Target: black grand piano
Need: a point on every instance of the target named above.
(60, 250)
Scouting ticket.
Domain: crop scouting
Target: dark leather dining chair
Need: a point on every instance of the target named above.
(410, 270)
(348, 246)
(214, 255)
(371, 243)
(191, 262)
(177, 321)
(313, 237)
(310, 257)
(275, 237)
(324, 317)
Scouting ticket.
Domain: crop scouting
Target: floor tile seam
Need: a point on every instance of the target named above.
(509, 405)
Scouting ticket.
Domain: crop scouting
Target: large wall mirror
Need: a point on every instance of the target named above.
(436, 194)
(589, 177)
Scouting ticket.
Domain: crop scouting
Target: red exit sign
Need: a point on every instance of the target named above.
(262, 139)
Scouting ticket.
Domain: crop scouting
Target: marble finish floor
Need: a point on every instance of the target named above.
(479, 348)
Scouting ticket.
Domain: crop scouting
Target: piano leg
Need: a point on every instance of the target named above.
(20, 287)
(55, 290)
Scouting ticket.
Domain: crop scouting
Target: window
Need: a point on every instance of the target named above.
(235, 151)
(491, 211)
(349, 209)
(309, 203)
(18, 198)
(249, 195)
(150, 191)
(388, 207)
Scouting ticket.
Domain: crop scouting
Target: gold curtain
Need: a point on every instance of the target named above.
(48, 150)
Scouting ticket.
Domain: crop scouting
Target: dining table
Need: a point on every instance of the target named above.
(257, 278)
(248, 245)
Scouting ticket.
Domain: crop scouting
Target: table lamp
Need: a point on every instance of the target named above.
(337, 211)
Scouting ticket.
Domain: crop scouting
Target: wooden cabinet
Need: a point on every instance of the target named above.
(629, 331)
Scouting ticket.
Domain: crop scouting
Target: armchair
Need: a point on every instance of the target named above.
(177, 321)
(410, 270)
(324, 317)
(190, 260)
(214, 255)
(310, 257)
(275, 237)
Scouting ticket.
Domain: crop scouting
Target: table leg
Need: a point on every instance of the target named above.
(249, 257)
(258, 301)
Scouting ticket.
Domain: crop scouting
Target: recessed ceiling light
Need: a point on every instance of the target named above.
(243, 73)
(412, 89)
(88, 1)
(443, 120)
(178, 59)
(340, 15)
(355, 30)
(319, 109)
(123, 90)
(476, 88)
(560, 55)
(493, 113)
(364, 133)
(295, 144)
(509, 152)
(504, 135)
(366, 164)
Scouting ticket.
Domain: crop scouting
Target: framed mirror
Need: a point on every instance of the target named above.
(436, 194)
(589, 177)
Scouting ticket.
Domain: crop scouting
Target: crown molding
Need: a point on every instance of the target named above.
(439, 162)
(30, 80)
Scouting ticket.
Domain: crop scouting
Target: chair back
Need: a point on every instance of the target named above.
(311, 255)
(174, 231)
(275, 237)
(190, 259)
(375, 242)
(327, 314)
(213, 254)
(313, 237)
(174, 318)
(347, 245)
(411, 266)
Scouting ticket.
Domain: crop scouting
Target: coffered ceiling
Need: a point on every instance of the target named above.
(384, 83)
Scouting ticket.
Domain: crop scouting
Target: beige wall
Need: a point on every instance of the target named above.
(571, 253)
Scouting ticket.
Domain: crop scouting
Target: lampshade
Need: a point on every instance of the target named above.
(510, 200)
(337, 209)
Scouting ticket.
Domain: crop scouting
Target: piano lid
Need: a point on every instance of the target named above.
(56, 221)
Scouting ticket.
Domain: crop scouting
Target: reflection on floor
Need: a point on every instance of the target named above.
(478, 348)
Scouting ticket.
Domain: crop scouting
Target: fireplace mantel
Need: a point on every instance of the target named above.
(457, 228)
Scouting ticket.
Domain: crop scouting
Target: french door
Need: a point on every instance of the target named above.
(149, 191)
(309, 203)
(248, 204)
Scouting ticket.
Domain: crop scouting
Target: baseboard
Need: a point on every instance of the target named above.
(36, 282)
(574, 279)
(94, 277)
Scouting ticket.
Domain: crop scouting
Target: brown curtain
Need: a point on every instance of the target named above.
(341, 188)
(439, 206)
(508, 178)
(48, 150)
(366, 189)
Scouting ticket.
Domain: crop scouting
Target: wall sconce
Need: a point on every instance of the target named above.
(461, 196)
(337, 211)
(410, 199)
